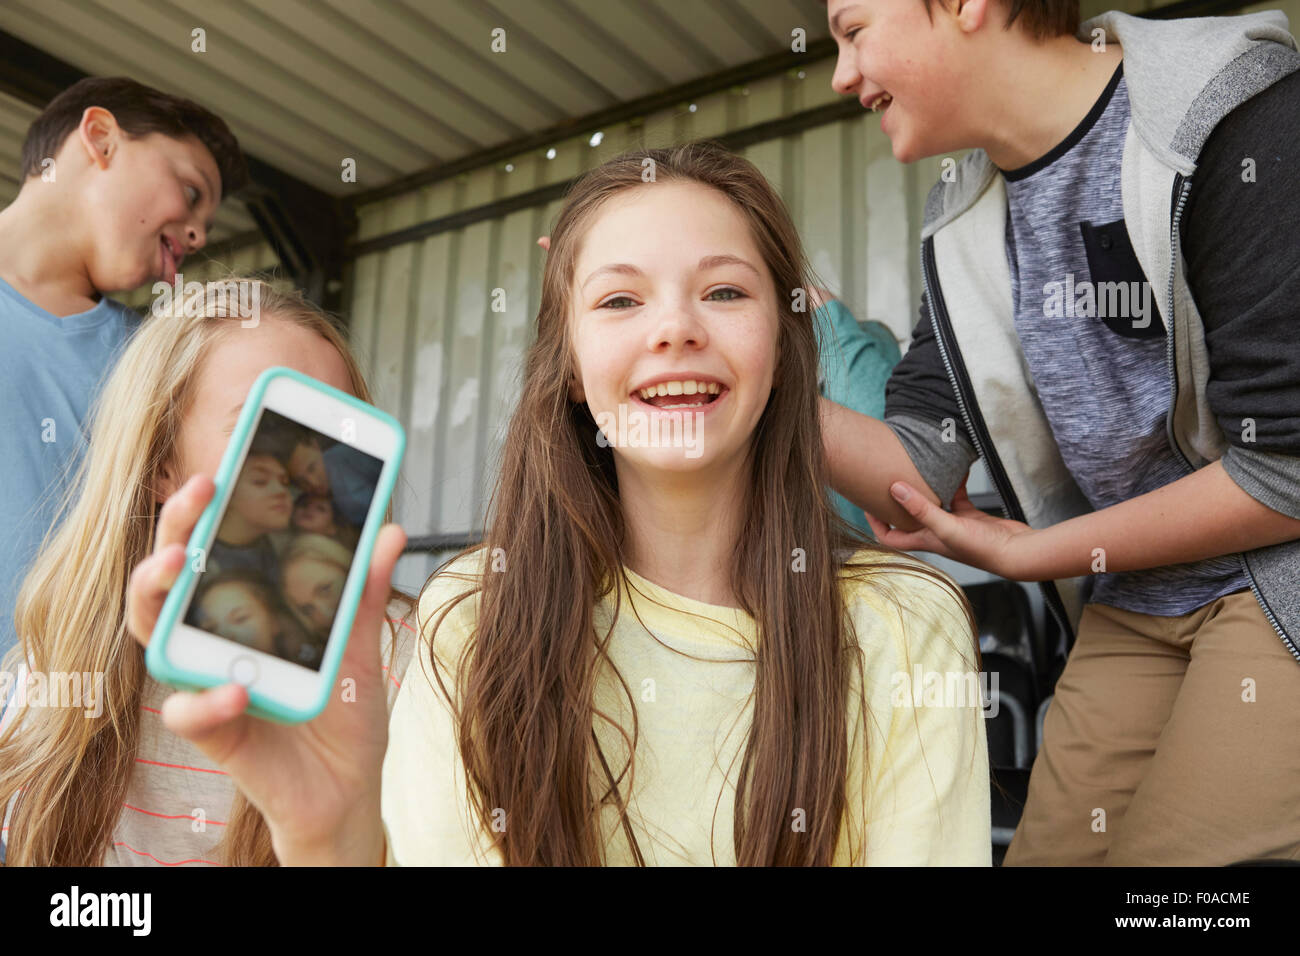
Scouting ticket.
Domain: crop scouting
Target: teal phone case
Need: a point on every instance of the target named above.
(261, 705)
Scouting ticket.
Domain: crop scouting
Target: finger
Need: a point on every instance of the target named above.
(922, 540)
(961, 490)
(374, 598)
(147, 589)
(213, 720)
(388, 548)
(919, 507)
(181, 512)
(960, 500)
(878, 527)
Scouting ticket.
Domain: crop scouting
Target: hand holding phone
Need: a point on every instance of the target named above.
(278, 558)
(317, 784)
(264, 578)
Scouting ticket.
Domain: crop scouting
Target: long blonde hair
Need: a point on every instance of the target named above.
(70, 772)
(317, 547)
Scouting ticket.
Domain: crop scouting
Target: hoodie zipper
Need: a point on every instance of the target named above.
(975, 427)
(1182, 188)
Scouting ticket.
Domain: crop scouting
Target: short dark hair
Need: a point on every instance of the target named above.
(280, 437)
(276, 440)
(1041, 19)
(139, 111)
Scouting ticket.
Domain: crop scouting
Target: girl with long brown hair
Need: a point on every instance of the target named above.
(668, 648)
(104, 781)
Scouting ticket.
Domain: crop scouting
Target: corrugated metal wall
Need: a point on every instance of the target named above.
(402, 86)
(440, 359)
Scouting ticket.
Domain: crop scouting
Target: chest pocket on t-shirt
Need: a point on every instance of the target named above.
(1123, 298)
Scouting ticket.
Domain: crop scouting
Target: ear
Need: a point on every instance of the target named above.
(970, 14)
(167, 483)
(99, 135)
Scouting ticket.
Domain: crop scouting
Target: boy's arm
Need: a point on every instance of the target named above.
(1203, 515)
(865, 457)
(1243, 266)
(921, 440)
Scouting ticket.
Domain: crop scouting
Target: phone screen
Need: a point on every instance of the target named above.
(273, 576)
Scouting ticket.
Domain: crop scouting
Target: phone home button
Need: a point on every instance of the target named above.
(244, 670)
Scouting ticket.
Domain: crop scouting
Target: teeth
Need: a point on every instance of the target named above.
(883, 100)
(687, 387)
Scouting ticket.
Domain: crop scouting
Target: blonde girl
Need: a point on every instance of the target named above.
(662, 653)
(242, 605)
(312, 571)
(119, 788)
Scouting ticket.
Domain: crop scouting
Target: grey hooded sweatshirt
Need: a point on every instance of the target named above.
(1184, 77)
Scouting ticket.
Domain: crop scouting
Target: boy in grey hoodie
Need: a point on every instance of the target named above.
(1109, 320)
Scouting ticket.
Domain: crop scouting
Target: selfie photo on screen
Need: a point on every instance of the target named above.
(275, 572)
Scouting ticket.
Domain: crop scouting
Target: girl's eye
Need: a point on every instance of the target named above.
(850, 34)
(192, 194)
(734, 294)
(618, 298)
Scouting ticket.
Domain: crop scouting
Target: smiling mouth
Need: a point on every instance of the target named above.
(681, 396)
(171, 258)
(880, 103)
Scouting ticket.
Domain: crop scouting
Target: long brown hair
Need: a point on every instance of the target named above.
(70, 772)
(525, 686)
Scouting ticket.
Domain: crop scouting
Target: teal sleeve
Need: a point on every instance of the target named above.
(856, 359)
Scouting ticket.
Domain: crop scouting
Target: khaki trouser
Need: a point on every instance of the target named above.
(1170, 741)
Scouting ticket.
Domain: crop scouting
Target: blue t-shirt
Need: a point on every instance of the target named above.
(353, 477)
(50, 370)
(856, 361)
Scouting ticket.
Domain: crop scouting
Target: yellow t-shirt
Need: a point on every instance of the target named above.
(922, 799)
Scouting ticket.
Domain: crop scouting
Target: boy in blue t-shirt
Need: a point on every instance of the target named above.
(120, 182)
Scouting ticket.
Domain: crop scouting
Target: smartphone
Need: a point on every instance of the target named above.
(278, 560)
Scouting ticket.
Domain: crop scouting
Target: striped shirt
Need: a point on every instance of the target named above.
(178, 802)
